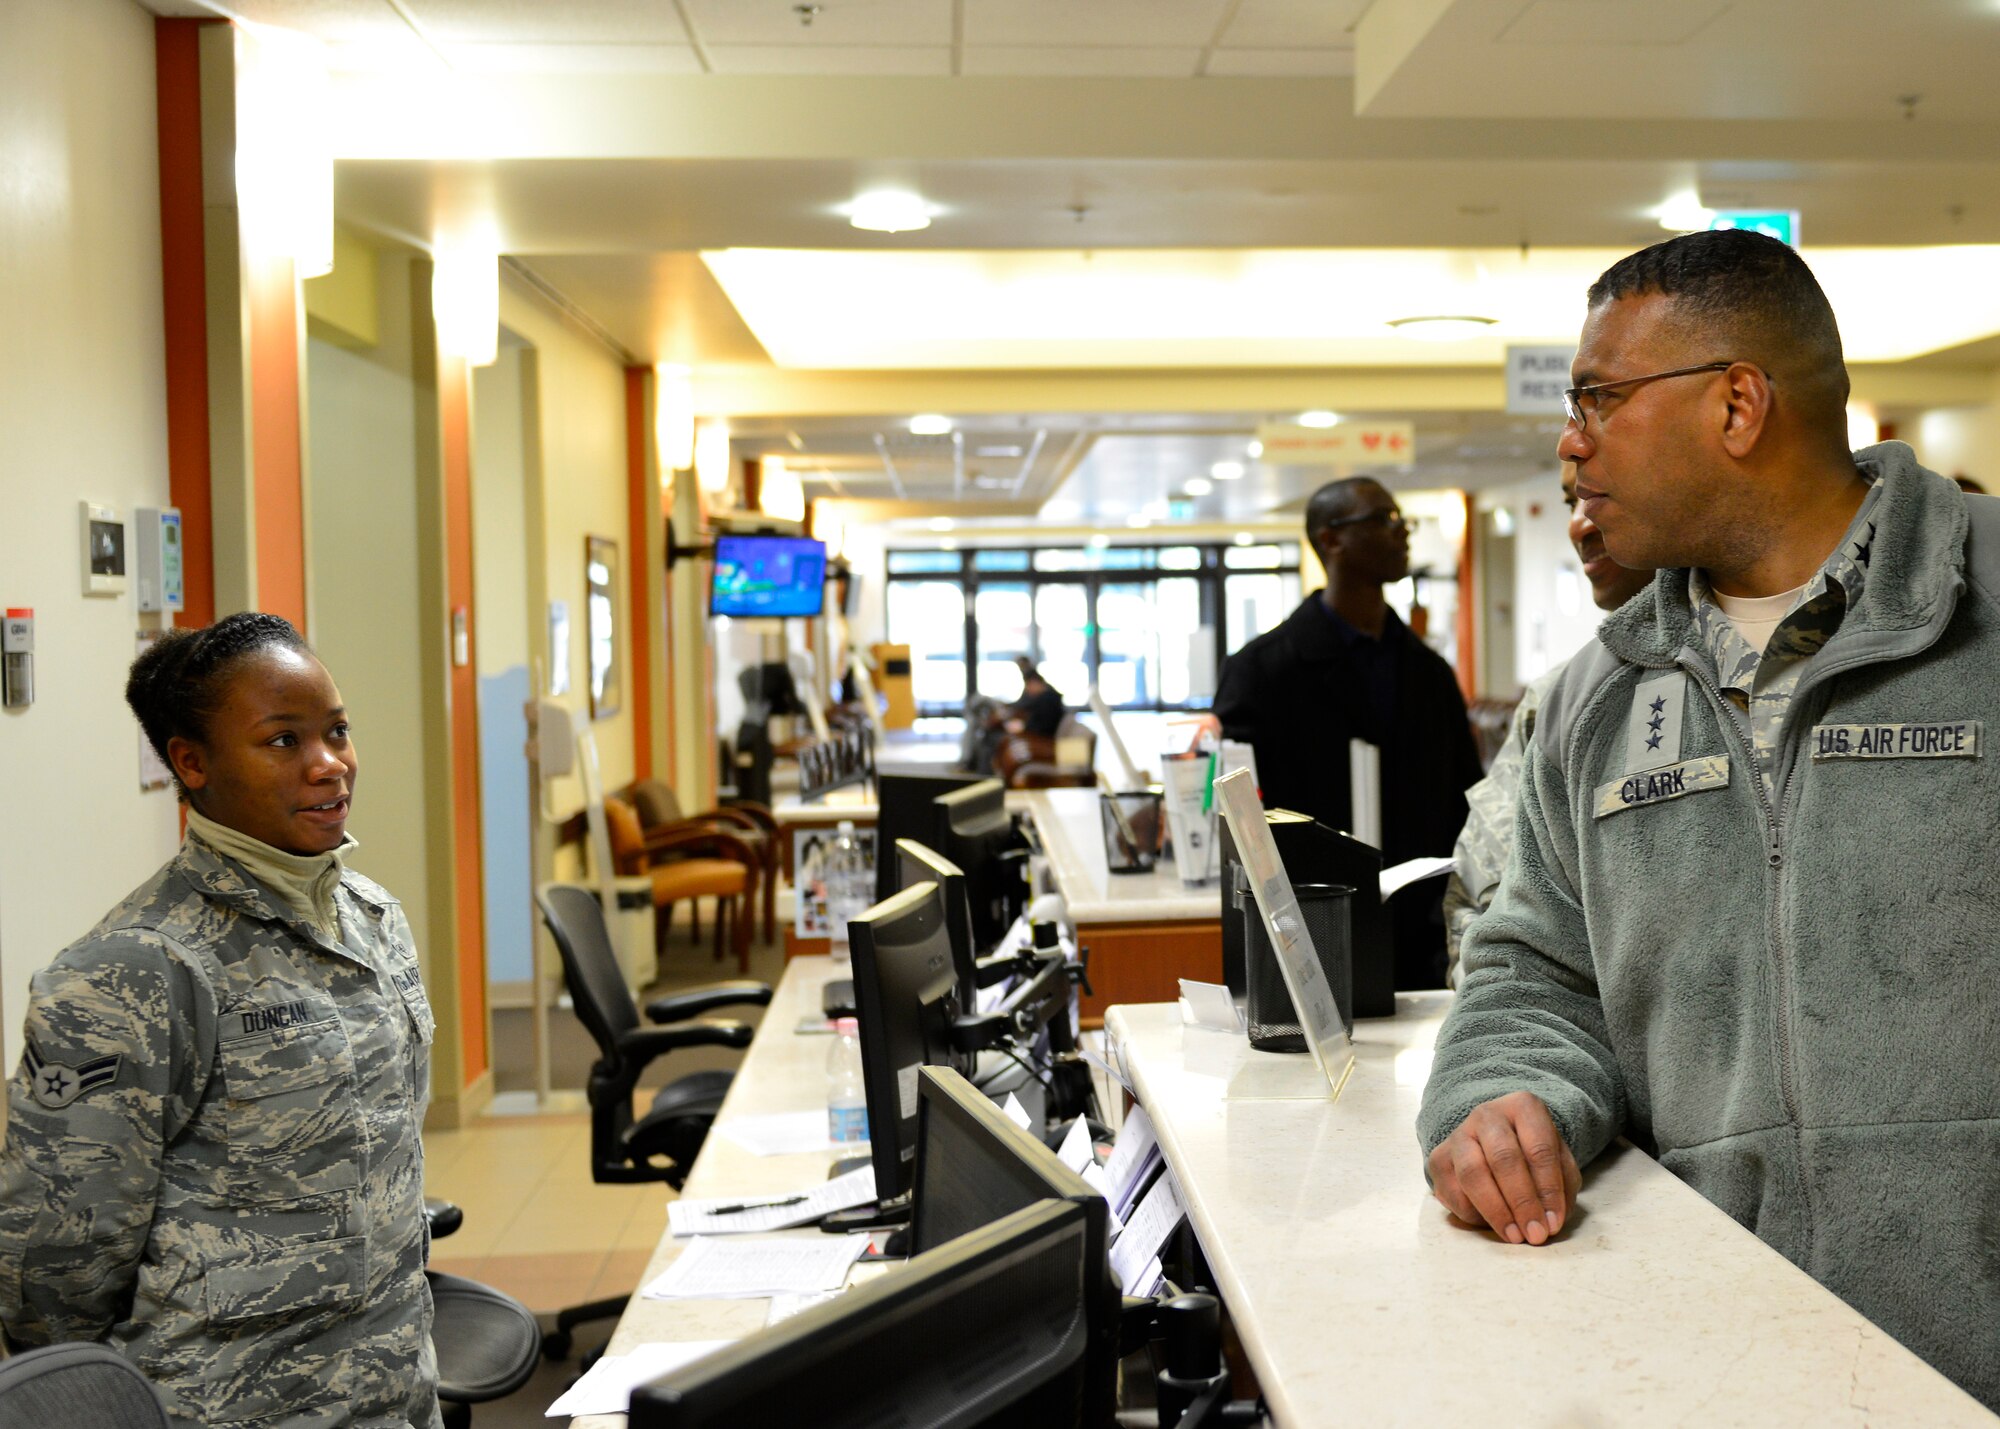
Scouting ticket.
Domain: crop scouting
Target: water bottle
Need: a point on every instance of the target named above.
(850, 886)
(846, 1099)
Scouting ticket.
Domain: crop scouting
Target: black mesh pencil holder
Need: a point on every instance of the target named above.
(1274, 1022)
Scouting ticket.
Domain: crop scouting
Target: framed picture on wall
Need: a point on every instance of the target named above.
(600, 576)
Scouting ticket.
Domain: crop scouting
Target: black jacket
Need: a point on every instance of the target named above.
(1294, 696)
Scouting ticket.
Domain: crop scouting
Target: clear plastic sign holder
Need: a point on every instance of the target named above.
(1298, 961)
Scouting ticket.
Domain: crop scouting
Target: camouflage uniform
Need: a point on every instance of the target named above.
(1480, 856)
(213, 1160)
(1759, 686)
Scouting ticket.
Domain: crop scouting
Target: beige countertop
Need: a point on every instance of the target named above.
(1068, 822)
(1360, 1302)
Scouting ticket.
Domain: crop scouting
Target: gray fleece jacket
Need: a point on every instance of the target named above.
(1794, 1002)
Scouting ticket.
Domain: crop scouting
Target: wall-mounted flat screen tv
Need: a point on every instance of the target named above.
(768, 576)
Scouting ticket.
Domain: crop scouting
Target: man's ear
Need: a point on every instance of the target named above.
(1747, 414)
(189, 762)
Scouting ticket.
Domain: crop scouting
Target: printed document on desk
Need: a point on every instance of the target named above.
(717, 1215)
(1135, 1257)
(712, 1269)
(606, 1388)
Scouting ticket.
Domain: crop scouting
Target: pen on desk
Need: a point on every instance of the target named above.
(755, 1205)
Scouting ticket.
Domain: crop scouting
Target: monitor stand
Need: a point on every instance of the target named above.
(865, 1218)
(848, 1163)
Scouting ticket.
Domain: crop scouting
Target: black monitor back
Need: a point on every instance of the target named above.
(918, 863)
(1314, 853)
(974, 1167)
(973, 829)
(989, 1330)
(905, 997)
(903, 811)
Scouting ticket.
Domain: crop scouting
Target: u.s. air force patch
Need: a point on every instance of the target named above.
(56, 1085)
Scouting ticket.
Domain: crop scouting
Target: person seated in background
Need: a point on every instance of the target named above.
(1344, 667)
(1040, 709)
(1749, 917)
(1488, 836)
(214, 1160)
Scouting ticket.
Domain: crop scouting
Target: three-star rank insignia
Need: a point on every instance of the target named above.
(56, 1085)
(1653, 733)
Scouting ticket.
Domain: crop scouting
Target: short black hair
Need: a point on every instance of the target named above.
(1333, 502)
(179, 681)
(1744, 297)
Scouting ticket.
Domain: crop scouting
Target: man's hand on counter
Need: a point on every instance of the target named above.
(1508, 1167)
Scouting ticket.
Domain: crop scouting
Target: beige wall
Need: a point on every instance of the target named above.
(578, 473)
(362, 517)
(82, 415)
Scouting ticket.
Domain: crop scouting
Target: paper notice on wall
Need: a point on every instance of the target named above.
(1364, 786)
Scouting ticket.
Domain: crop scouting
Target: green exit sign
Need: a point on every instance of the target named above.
(1779, 223)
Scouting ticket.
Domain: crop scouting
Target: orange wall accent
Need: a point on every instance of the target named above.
(455, 424)
(177, 57)
(638, 573)
(275, 435)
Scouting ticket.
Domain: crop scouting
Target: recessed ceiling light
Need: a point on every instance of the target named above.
(1138, 521)
(943, 523)
(1244, 538)
(930, 424)
(889, 211)
(1254, 450)
(1684, 213)
(1441, 328)
(1061, 511)
(947, 545)
(1226, 470)
(1098, 542)
(1318, 417)
(1199, 486)
(997, 451)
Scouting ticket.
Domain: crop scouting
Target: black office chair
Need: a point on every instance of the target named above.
(662, 1144)
(77, 1386)
(487, 1343)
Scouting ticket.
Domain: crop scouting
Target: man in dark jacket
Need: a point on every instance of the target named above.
(1344, 667)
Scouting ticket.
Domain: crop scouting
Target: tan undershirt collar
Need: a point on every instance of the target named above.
(304, 881)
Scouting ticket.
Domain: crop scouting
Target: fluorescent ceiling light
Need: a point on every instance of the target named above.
(711, 456)
(1149, 308)
(465, 297)
(942, 523)
(673, 416)
(284, 147)
(1254, 450)
(1244, 538)
(1684, 213)
(889, 211)
(1228, 470)
(779, 491)
(1199, 486)
(1138, 521)
(1319, 417)
(1451, 328)
(930, 424)
(947, 545)
(1098, 542)
(1060, 510)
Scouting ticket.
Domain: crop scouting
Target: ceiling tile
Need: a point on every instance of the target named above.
(1081, 60)
(1284, 24)
(1301, 61)
(830, 59)
(1101, 22)
(330, 20)
(839, 22)
(574, 59)
(530, 22)
(1566, 22)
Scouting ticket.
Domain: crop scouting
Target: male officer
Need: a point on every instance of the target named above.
(1344, 667)
(1488, 836)
(1725, 930)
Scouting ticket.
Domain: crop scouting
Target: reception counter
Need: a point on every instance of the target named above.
(1360, 1302)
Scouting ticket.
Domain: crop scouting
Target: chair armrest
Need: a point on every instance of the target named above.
(444, 1216)
(761, 813)
(743, 816)
(716, 841)
(643, 1044)
(680, 1006)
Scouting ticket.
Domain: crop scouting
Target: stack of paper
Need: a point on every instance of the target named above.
(1136, 1254)
(752, 1269)
(722, 1215)
(1133, 1161)
(607, 1387)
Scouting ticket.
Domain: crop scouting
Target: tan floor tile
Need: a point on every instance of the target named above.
(620, 1274)
(646, 1225)
(544, 1282)
(565, 1219)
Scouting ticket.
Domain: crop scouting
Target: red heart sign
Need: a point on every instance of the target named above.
(1371, 440)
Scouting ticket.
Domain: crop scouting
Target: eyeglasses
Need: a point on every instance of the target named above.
(1388, 518)
(1573, 396)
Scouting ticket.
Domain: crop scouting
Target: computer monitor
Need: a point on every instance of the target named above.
(973, 829)
(974, 1167)
(917, 863)
(906, 998)
(903, 811)
(991, 1329)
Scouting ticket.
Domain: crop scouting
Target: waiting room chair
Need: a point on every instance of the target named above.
(487, 1343)
(77, 1386)
(662, 1144)
(687, 861)
(660, 808)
